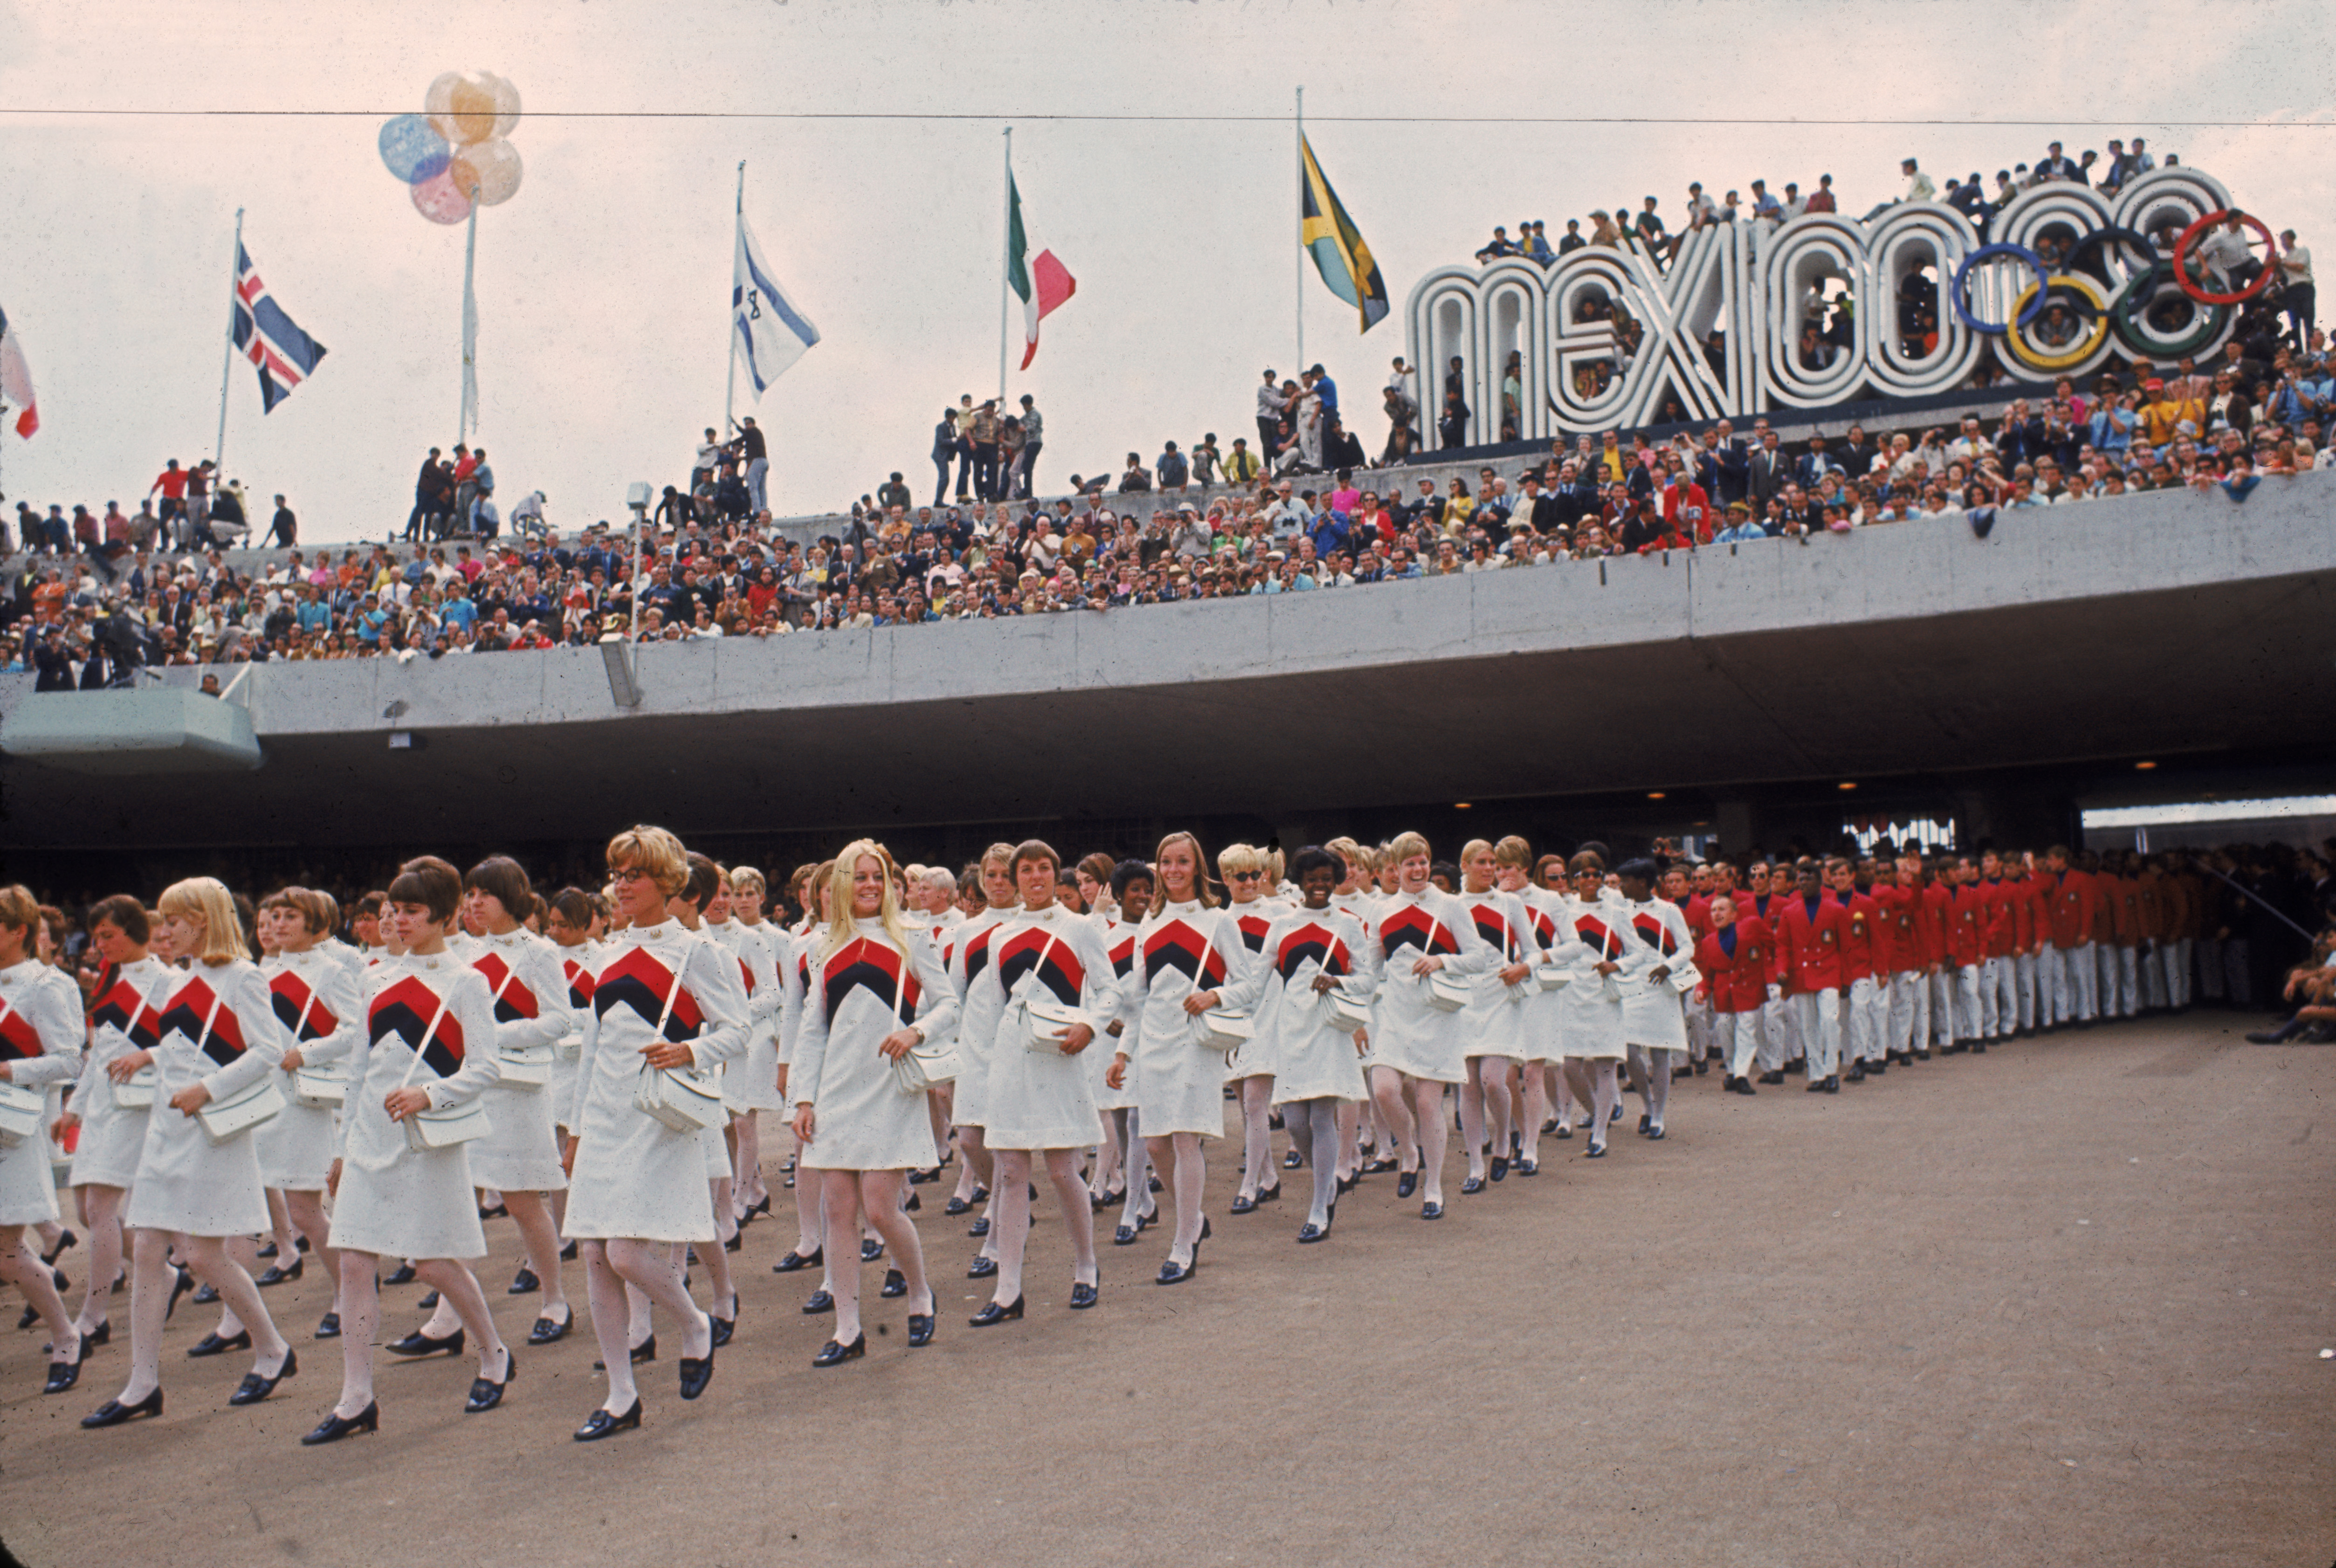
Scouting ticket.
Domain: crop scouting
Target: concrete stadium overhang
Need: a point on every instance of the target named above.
(2169, 624)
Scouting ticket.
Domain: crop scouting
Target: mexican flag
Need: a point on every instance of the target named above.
(1041, 281)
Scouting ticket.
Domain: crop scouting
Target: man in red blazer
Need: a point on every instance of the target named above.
(2076, 904)
(1810, 941)
(1967, 950)
(1865, 970)
(1734, 957)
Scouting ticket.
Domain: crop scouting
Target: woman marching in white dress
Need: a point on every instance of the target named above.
(665, 1004)
(1514, 858)
(1317, 1043)
(219, 1045)
(1245, 872)
(1047, 984)
(752, 1087)
(1120, 1157)
(42, 1034)
(877, 993)
(1415, 1032)
(1595, 949)
(403, 1186)
(1654, 1020)
(519, 1157)
(1188, 958)
(124, 1008)
(317, 1001)
(1495, 1015)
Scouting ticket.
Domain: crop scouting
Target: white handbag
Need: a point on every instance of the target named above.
(319, 1088)
(224, 1120)
(569, 1048)
(428, 1132)
(925, 1065)
(1346, 1010)
(527, 1068)
(20, 1113)
(1684, 976)
(1447, 992)
(137, 1091)
(1044, 1020)
(1551, 976)
(1223, 1029)
(682, 1099)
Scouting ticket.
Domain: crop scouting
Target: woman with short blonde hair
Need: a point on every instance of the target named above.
(41, 1035)
(217, 1036)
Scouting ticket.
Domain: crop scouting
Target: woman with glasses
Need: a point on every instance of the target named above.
(1245, 872)
(664, 1000)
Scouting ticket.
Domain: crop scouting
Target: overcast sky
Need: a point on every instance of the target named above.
(603, 284)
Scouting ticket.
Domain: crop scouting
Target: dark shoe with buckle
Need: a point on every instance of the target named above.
(1407, 1183)
(549, 1332)
(602, 1422)
(485, 1395)
(1084, 1295)
(401, 1275)
(920, 1330)
(993, 1314)
(819, 1302)
(833, 1354)
(981, 1268)
(329, 1327)
(896, 1284)
(870, 1249)
(334, 1427)
(257, 1387)
(272, 1275)
(697, 1371)
(418, 1343)
(212, 1345)
(794, 1260)
(524, 1283)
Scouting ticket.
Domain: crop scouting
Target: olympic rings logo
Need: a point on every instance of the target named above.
(2065, 313)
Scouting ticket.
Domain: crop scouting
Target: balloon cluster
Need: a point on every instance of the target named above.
(454, 151)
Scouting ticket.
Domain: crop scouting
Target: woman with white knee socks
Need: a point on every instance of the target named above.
(319, 1002)
(1048, 985)
(1654, 1024)
(877, 994)
(42, 1035)
(1593, 942)
(1494, 1017)
(217, 1038)
(1309, 953)
(1244, 870)
(402, 1185)
(1418, 1039)
(1188, 958)
(124, 1009)
(664, 1001)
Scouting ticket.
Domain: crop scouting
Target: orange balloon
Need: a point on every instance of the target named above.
(489, 172)
(467, 107)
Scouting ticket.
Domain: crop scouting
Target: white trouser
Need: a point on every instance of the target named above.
(1698, 1030)
(1818, 1015)
(1969, 1010)
(2128, 980)
(2153, 976)
(2074, 980)
(1942, 1006)
(1869, 1016)
(2023, 969)
(1998, 998)
(1910, 1011)
(1773, 1035)
(2105, 961)
(2175, 956)
(1735, 1036)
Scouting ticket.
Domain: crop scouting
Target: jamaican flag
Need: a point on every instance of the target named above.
(1339, 253)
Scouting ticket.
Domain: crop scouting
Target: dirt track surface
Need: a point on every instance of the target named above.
(2063, 1303)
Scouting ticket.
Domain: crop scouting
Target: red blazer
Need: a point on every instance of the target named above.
(1811, 944)
(2073, 905)
(1862, 940)
(1737, 982)
(1899, 946)
(1967, 923)
(1938, 903)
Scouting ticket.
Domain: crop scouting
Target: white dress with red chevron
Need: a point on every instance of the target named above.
(1496, 1013)
(577, 967)
(218, 1029)
(395, 1202)
(1544, 1016)
(1313, 1058)
(40, 1039)
(635, 1178)
(979, 1009)
(1652, 1015)
(1181, 950)
(319, 1004)
(125, 1012)
(1041, 1099)
(1590, 1013)
(752, 1083)
(1407, 1033)
(1119, 947)
(1251, 921)
(860, 992)
(521, 1153)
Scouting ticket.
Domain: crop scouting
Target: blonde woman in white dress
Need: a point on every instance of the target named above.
(1037, 1095)
(752, 1087)
(429, 1048)
(317, 1001)
(1418, 1048)
(42, 1034)
(1496, 1015)
(877, 993)
(1248, 876)
(1188, 958)
(1543, 909)
(124, 1008)
(663, 1001)
(217, 1036)
(1596, 949)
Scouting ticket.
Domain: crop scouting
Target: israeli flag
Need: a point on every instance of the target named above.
(768, 331)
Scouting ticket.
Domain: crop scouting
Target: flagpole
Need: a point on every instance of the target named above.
(1005, 269)
(467, 423)
(737, 239)
(1301, 229)
(227, 360)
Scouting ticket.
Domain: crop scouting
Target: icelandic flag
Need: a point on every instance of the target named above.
(284, 355)
(16, 381)
(768, 331)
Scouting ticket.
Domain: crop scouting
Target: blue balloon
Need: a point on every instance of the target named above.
(412, 150)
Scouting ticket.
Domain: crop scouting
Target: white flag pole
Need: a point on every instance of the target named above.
(227, 361)
(737, 242)
(1006, 270)
(1301, 231)
(467, 423)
